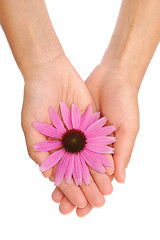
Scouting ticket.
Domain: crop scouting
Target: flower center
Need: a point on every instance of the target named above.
(74, 141)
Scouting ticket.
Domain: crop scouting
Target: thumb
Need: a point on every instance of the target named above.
(32, 137)
(125, 137)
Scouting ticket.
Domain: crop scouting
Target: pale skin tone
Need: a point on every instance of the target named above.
(115, 82)
(49, 79)
(111, 88)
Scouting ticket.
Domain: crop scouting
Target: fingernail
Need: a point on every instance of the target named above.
(124, 175)
(109, 170)
(51, 179)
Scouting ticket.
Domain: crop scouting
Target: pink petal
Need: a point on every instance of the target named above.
(61, 169)
(69, 170)
(66, 115)
(101, 140)
(93, 164)
(95, 116)
(96, 126)
(75, 116)
(106, 130)
(85, 118)
(85, 170)
(100, 158)
(56, 120)
(77, 171)
(99, 148)
(47, 146)
(47, 130)
(52, 160)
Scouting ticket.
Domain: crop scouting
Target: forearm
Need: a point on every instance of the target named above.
(135, 38)
(29, 32)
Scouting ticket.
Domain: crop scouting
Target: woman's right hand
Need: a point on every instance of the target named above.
(116, 98)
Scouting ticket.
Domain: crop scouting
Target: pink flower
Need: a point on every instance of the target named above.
(82, 140)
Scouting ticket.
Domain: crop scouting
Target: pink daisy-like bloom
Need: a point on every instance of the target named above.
(78, 143)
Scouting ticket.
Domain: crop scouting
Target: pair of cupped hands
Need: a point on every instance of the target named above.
(110, 92)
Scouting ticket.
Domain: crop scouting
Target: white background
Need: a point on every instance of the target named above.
(26, 208)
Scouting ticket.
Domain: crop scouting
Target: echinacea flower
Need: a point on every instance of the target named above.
(81, 141)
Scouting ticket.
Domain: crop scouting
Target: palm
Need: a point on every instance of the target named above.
(56, 82)
(118, 101)
(44, 91)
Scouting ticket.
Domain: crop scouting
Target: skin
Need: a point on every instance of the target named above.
(115, 82)
(112, 87)
(44, 91)
(49, 79)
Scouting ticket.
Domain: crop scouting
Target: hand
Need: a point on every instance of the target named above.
(116, 98)
(48, 85)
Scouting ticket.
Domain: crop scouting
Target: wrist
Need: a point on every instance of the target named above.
(30, 33)
(38, 60)
(127, 70)
(134, 40)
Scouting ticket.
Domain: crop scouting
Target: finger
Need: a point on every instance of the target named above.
(102, 181)
(110, 170)
(92, 194)
(73, 193)
(81, 212)
(33, 137)
(66, 206)
(123, 149)
(57, 195)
